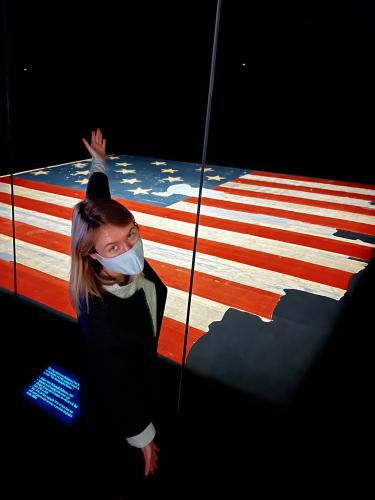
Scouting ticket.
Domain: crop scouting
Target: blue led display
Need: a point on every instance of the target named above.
(56, 392)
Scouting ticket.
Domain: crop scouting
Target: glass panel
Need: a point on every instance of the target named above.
(284, 231)
(151, 165)
(7, 278)
(153, 128)
(7, 267)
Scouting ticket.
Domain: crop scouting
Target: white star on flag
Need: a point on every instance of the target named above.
(82, 172)
(40, 172)
(172, 179)
(129, 181)
(124, 171)
(214, 178)
(139, 191)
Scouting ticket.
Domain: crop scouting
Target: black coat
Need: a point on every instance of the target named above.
(118, 368)
(119, 360)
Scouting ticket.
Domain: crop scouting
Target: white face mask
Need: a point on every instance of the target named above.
(129, 262)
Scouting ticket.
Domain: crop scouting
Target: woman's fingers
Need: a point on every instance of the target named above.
(147, 456)
(154, 462)
(98, 136)
(98, 144)
(88, 147)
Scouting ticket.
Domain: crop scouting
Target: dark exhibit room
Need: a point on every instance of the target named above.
(187, 234)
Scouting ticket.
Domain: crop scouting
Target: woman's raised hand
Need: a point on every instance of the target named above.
(97, 146)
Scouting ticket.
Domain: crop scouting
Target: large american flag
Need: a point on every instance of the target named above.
(260, 234)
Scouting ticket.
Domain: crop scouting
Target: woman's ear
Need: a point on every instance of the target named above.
(93, 256)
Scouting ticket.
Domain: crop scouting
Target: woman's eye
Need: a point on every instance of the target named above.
(114, 248)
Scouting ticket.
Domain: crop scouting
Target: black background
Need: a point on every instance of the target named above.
(303, 103)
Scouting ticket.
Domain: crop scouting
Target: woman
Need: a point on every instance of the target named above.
(120, 303)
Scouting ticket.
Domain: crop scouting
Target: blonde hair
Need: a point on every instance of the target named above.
(85, 273)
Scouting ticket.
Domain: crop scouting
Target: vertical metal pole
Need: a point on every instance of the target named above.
(204, 155)
(9, 129)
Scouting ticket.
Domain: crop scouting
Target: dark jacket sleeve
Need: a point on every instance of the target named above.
(98, 186)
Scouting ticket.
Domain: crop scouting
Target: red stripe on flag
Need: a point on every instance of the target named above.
(53, 292)
(291, 187)
(312, 179)
(344, 248)
(37, 236)
(269, 261)
(247, 298)
(47, 188)
(171, 340)
(230, 293)
(299, 200)
(41, 287)
(38, 206)
(355, 227)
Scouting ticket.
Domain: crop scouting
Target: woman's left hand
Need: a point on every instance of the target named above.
(97, 147)
(150, 456)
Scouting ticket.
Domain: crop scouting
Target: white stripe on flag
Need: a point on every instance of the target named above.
(68, 201)
(202, 313)
(266, 220)
(35, 194)
(297, 182)
(37, 219)
(299, 194)
(237, 272)
(266, 245)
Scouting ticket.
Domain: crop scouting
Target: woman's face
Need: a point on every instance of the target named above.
(111, 241)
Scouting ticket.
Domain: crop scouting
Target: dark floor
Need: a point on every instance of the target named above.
(320, 443)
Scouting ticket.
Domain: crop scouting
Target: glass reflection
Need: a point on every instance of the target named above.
(277, 252)
(7, 278)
